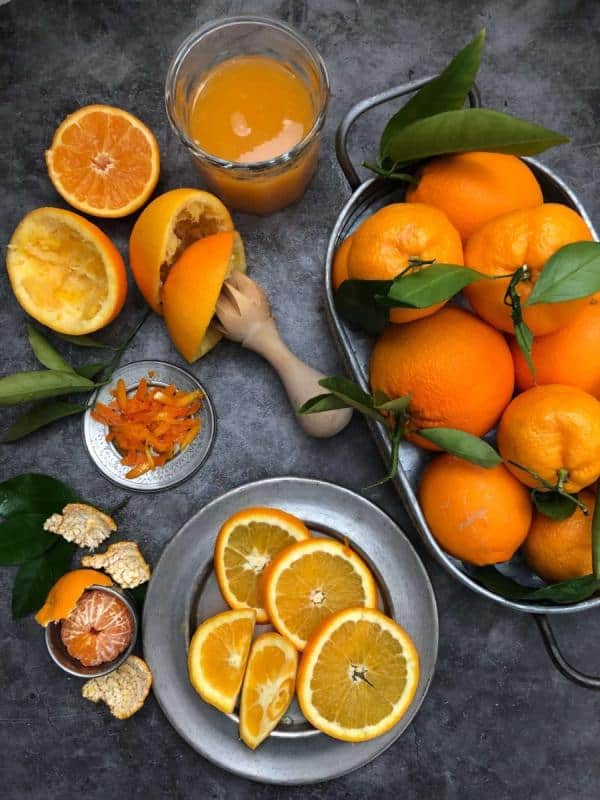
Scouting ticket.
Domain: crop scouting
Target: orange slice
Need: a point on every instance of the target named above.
(192, 288)
(358, 675)
(268, 687)
(165, 228)
(65, 272)
(247, 542)
(310, 580)
(98, 629)
(65, 593)
(217, 657)
(104, 161)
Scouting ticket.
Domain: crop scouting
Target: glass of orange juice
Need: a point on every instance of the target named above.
(248, 97)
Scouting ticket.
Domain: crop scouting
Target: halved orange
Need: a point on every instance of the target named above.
(165, 228)
(217, 657)
(358, 675)
(310, 580)
(65, 272)
(104, 161)
(247, 542)
(65, 593)
(192, 288)
(268, 687)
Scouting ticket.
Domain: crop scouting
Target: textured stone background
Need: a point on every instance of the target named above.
(499, 721)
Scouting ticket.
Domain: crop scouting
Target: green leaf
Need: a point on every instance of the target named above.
(572, 272)
(22, 537)
(470, 129)
(464, 445)
(34, 579)
(90, 370)
(41, 415)
(554, 504)
(85, 341)
(34, 493)
(396, 406)
(596, 539)
(22, 387)
(571, 591)
(45, 353)
(356, 302)
(523, 335)
(396, 438)
(352, 395)
(138, 596)
(322, 402)
(447, 92)
(430, 285)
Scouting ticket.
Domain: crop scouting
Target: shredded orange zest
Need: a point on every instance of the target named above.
(151, 425)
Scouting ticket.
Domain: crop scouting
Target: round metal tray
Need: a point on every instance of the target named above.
(183, 592)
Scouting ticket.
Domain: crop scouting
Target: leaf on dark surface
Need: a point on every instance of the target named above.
(35, 578)
(34, 493)
(22, 538)
(90, 370)
(464, 445)
(571, 591)
(85, 341)
(41, 415)
(351, 394)
(554, 504)
(356, 302)
(138, 596)
(322, 402)
(596, 539)
(571, 273)
(45, 353)
(23, 387)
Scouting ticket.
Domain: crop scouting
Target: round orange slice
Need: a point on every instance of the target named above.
(65, 272)
(65, 593)
(217, 657)
(165, 228)
(247, 542)
(192, 288)
(104, 161)
(358, 675)
(310, 580)
(268, 687)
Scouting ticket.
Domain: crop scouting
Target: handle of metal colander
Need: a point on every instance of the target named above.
(341, 138)
(559, 661)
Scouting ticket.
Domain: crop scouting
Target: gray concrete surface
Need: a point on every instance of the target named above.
(499, 722)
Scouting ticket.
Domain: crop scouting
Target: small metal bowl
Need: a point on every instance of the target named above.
(108, 459)
(60, 656)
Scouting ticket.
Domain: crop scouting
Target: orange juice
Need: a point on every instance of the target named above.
(251, 108)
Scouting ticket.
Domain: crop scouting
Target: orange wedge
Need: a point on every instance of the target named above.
(247, 542)
(310, 580)
(358, 675)
(217, 657)
(65, 272)
(165, 228)
(104, 161)
(268, 687)
(65, 593)
(192, 288)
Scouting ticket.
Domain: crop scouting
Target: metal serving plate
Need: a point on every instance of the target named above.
(183, 592)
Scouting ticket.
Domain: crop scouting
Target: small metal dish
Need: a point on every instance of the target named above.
(108, 459)
(61, 657)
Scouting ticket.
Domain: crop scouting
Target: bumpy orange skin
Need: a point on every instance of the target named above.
(558, 550)
(506, 243)
(383, 244)
(63, 596)
(476, 514)
(457, 369)
(339, 269)
(570, 356)
(473, 188)
(549, 428)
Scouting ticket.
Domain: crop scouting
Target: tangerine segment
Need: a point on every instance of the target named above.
(65, 272)
(554, 432)
(386, 242)
(310, 580)
(358, 675)
(65, 593)
(247, 543)
(104, 161)
(268, 687)
(98, 629)
(165, 228)
(522, 238)
(192, 288)
(217, 657)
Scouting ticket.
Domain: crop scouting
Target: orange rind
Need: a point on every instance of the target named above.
(65, 594)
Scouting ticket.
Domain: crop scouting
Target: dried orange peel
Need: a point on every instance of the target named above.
(124, 690)
(124, 563)
(150, 426)
(65, 593)
(82, 524)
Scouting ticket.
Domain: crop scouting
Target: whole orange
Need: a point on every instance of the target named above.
(457, 369)
(552, 428)
(569, 355)
(473, 188)
(521, 238)
(476, 514)
(558, 550)
(384, 243)
(339, 269)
